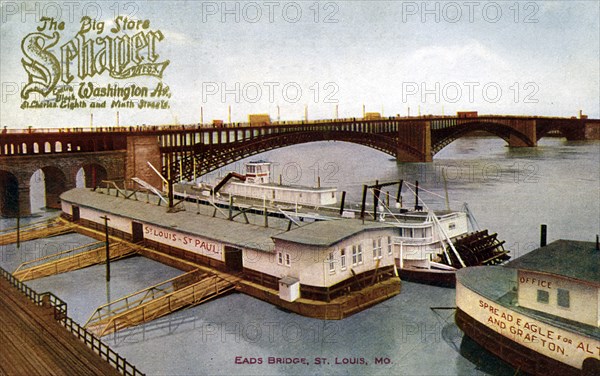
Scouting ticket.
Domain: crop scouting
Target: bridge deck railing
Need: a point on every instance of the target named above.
(179, 127)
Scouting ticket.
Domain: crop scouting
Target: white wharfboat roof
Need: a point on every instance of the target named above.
(327, 233)
(254, 235)
(222, 230)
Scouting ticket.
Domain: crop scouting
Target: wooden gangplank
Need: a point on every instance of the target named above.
(73, 259)
(43, 229)
(187, 290)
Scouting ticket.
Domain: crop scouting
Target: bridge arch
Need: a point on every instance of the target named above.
(211, 159)
(444, 137)
(564, 129)
(9, 194)
(52, 181)
(90, 175)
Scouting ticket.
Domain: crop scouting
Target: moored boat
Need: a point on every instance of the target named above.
(255, 186)
(432, 249)
(429, 246)
(540, 312)
(433, 244)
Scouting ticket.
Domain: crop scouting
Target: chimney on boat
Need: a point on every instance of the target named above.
(543, 232)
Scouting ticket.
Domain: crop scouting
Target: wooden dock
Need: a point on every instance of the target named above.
(38, 230)
(69, 260)
(184, 291)
(32, 342)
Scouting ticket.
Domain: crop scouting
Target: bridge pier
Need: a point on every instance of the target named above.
(414, 142)
(142, 149)
(527, 133)
(14, 196)
(516, 142)
(23, 200)
(592, 131)
(405, 156)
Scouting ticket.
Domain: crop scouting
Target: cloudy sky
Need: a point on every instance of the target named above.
(285, 58)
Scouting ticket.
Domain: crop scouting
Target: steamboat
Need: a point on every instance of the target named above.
(429, 246)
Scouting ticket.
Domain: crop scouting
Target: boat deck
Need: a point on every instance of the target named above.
(404, 215)
(32, 342)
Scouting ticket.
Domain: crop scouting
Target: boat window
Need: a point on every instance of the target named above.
(331, 263)
(360, 259)
(376, 249)
(543, 296)
(418, 232)
(357, 257)
(390, 246)
(563, 299)
(343, 258)
(451, 226)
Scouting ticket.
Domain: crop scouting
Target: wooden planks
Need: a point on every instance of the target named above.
(77, 261)
(36, 231)
(177, 297)
(33, 343)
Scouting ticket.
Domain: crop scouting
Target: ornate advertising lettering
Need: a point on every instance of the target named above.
(557, 343)
(60, 70)
(188, 242)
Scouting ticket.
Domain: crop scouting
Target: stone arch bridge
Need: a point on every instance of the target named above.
(119, 153)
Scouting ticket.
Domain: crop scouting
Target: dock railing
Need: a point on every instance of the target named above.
(57, 256)
(60, 314)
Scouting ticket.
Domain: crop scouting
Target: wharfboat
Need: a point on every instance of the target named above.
(322, 269)
(540, 312)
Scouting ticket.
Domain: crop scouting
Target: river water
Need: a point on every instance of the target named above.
(510, 191)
